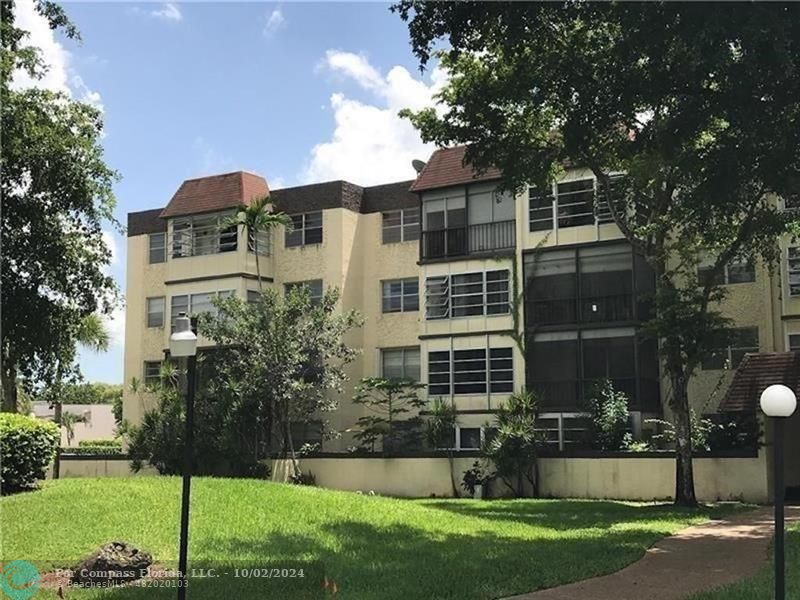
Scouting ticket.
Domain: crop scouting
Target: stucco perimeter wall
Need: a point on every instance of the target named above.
(621, 478)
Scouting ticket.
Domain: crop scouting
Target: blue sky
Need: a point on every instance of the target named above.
(297, 92)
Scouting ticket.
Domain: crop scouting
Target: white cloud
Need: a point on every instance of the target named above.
(370, 143)
(61, 75)
(115, 324)
(169, 11)
(111, 243)
(275, 21)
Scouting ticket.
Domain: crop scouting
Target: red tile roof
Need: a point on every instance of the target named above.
(755, 373)
(446, 168)
(216, 192)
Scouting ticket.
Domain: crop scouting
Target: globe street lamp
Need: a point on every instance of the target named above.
(183, 344)
(778, 402)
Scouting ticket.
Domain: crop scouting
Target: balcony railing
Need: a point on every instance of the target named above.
(593, 309)
(475, 239)
(199, 241)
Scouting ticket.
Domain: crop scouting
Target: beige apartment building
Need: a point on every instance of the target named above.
(434, 265)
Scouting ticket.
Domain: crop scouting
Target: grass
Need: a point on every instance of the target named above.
(372, 547)
(761, 587)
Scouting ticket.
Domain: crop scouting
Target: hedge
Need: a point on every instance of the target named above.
(93, 450)
(27, 446)
(97, 443)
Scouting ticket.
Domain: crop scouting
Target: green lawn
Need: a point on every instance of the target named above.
(372, 547)
(761, 587)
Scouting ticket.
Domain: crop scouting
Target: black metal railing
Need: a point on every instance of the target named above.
(475, 239)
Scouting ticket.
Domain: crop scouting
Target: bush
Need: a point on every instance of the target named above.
(105, 443)
(27, 446)
(609, 417)
(479, 474)
(94, 450)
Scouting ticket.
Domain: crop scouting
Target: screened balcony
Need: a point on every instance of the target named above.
(474, 239)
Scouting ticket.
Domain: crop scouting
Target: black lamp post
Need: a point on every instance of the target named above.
(778, 402)
(183, 344)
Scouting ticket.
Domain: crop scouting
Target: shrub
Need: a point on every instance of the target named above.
(94, 450)
(609, 417)
(479, 474)
(27, 446)
(95, 443)
(513, 448)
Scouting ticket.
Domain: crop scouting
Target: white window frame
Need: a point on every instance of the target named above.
(187, 238)
(408, 228)
(442, 301)
(404, 296)
(600, 210)
(404, 351)
(147, 379)
(726, 275)
(789, 342)
(487, 382)
(303, 230)
(149, 312)
(792, 268)
(189, 303)
(156, 247)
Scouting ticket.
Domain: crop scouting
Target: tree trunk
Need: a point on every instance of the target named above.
(9, 389)
(684, 472)
(451, 461)
(57, 418)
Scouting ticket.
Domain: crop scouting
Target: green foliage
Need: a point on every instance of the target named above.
(158, 440)
(609, 416)
(283, 363)
(702, 120)
(440, 424)
(95, 449)
(478, 474)
(27, 446)
(100, 443)
(701, 431)
(83, 393)
(390, 400)
(68, 422)
(57, 197)
(513, 448)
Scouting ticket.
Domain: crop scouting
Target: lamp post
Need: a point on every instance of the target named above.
(183, 344)
(778, 402)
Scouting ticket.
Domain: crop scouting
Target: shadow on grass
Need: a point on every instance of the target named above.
(567, 515)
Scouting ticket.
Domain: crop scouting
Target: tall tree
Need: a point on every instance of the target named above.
(698, 103)
(57, 192)
(283, 357)
(256, 218)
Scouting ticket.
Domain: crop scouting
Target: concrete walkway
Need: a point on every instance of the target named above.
(694, 559)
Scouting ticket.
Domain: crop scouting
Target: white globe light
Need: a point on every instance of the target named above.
(778, 401)
(183, 342)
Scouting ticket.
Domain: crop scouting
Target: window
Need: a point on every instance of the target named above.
(593, 284)
(570, 204)
(465, 295)
(306, 433)
(731, 347)
(158, 247)
(469, 370)
(735, 272)
(400, 363)
(152, 372)
(200, 235)
(155, 311)
(401, 225)
(469, 438)
(793, 270)
(794, 342)
(400, 295)
(264, 241)
(253, 296)
(195, 304)
(306, 230)
(314, 287)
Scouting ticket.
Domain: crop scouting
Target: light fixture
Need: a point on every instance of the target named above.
(183, 341)
(778, 401)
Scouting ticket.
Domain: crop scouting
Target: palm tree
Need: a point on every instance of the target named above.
(258, 217)
(68, 422)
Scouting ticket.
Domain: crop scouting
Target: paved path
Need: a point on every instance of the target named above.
(692, 560)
